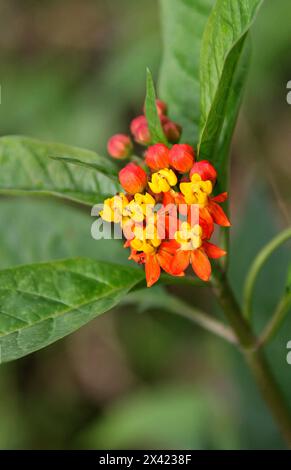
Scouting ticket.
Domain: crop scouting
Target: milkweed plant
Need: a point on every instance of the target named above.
(164, 186)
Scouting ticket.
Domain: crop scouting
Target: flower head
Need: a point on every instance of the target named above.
(168, 214)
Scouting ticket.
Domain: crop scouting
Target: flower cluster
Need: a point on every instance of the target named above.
(167, 211)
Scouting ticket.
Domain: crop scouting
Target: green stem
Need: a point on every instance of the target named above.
(203, 319)
(276, 321)
(256, 267)
(172, 304)
(254, 358)
(271, 393)
(231, 309)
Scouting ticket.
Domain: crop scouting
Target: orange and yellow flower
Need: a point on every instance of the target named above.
(169, 189)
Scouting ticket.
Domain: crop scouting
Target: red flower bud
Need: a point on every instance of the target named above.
(181, 157)
(119, 146)
(171, 130)
(140, 131)
(133, 178)
(157, 157)
(205, 170)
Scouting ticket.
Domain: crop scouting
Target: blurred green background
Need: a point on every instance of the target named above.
(74, 71)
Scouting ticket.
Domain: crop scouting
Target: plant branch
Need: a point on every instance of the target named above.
(256, 267)
(172, 304)
(203, 319)
(254, 357)
(231, 309)
(277, 319)
(271, 393)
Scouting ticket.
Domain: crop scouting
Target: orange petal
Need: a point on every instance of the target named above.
(206, 222)
(201, 264)
(220, 197)
(218, 214)
(165, 258)
(152, 270)
(168, 199)
(213, 251)
(171, 246)
(171, 225)
(180, 262)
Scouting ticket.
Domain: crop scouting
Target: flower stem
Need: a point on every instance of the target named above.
(255, 358)
(203, 319)
(271, 392)
(257, 265)
(276, 321)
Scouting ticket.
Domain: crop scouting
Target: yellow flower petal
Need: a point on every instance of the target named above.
(195, 178)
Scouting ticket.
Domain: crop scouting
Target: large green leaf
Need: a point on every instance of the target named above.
(51, 231)
(42, 303)
(220, 77)
(25, 168)
(183, 24)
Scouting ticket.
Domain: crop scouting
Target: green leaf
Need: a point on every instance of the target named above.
(42, 303)
(101, 164)
(51, 231)
(220, 156)
(26, 169)
(183, 23)
(220, 77)
(153, 120)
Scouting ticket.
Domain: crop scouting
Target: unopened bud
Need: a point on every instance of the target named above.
(119, 146)
(140, 130)
(205, 170)
(181, 157)
(133, 178)
(171, 130)
(157, 157)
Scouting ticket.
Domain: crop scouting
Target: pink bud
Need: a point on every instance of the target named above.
(181, 157)
(119, 146)
(157, 157)
(133, 178)
(205, 170)
(140, 131)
